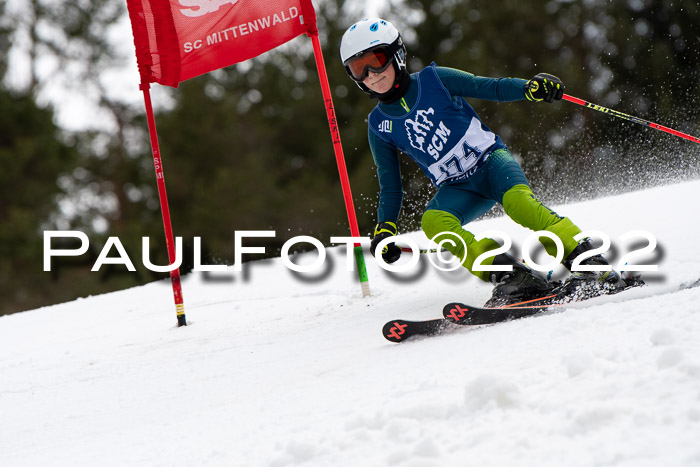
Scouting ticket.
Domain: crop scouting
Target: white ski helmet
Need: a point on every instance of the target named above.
(372, 35)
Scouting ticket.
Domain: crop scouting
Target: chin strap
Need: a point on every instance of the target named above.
(401, 82)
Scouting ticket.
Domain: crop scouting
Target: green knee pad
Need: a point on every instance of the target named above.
(435, 222)
(524, 208)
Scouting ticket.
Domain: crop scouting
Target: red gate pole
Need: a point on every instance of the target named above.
(340, 160)
(165, 210)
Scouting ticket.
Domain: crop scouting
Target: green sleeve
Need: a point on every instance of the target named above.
(461, 83)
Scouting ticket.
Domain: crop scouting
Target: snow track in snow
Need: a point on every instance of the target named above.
(275, 371)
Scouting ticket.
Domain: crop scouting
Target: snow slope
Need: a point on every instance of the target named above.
(280, 369)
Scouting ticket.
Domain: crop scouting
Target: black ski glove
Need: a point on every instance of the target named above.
(383, 230)
(544, 87)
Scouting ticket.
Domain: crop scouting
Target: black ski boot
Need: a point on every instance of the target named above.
(581, 285)
(519, 285)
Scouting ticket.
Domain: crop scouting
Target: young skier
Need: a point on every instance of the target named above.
(425, 116)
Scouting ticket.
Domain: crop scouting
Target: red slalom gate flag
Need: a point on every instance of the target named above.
(179, 39)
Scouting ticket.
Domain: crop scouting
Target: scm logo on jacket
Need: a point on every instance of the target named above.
(441, 133)
(419, 129)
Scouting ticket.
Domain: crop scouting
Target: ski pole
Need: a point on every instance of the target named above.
(630, 118)
(422, 250)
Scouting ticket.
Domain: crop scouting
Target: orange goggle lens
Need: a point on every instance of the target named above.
(375, 60)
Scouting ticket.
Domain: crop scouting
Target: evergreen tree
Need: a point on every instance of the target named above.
(33, 159)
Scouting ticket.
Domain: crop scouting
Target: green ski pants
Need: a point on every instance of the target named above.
(502, 181)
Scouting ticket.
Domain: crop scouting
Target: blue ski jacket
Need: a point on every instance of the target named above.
(435, 126)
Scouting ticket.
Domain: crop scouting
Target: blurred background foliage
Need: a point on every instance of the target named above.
(248, 147)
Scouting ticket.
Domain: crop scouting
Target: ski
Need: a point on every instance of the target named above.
(457, 313)
(461, 313)
(399, 330)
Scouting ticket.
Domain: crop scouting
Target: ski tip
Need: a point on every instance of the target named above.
(456, 312)
(395, 331)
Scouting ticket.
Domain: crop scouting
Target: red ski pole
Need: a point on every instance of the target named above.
(630, 118)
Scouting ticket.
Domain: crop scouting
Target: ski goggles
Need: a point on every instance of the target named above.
(376, 60)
